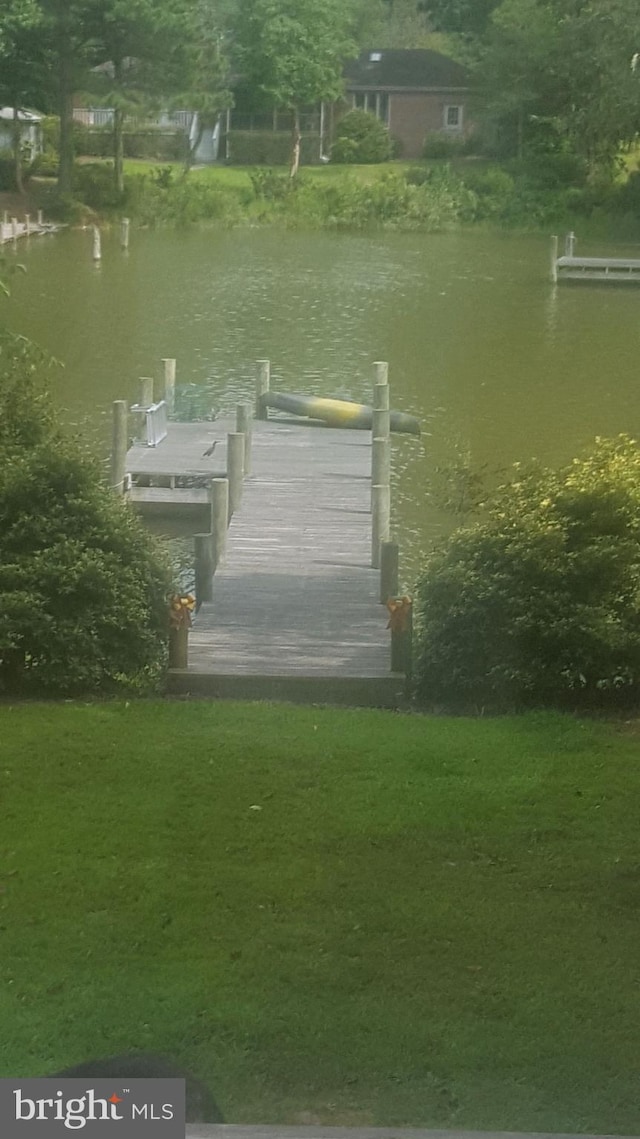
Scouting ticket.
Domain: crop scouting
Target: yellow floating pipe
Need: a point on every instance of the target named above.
(338, 412)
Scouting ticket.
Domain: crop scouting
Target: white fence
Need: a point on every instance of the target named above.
(103, 117)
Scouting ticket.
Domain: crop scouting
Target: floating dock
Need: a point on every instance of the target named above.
(293, 609)
(613, 270)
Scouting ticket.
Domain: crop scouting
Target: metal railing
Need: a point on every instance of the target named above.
(156, 420)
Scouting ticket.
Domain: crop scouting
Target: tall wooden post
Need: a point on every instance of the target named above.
(381, 423)
(179, 648)
(204, 567)
(40, 217)
(380, 372)
(27, 224)
(97, 244)
(570, 244)
(119, 445)
(402, 645)
(146, 391)
(169, 384)
(219, 497)
(263, 382)
(389, 558)
(380, 522)
(124, 233)
(380, 463)
(244, 419)
(554, 258)
(235, 469)
(14, 228)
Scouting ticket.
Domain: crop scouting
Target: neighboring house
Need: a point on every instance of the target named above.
(415, 92)
(30, 130)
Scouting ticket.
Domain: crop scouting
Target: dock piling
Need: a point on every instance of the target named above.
(219, 497)
(97, 244)
(244, 416)
(14, 228)
(235, 469)
(205, 565)
(263, 382)
(380, 372)
(27, 224)
(381, 418)
(554, 258)
(119, 445)
(570, 245)
(124, 233)
(389, 559)
(40, 217)
(169, 384)
(146, 391)
(380, 522)
(380, 463)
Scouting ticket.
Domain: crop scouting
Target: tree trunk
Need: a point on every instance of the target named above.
(65, 76)
(17, 148)
(118, 149)
(296, 137)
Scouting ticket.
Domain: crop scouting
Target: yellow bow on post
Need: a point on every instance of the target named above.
(399, 613)
(180, 609)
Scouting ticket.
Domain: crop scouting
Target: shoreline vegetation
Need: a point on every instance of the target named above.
(427, 196)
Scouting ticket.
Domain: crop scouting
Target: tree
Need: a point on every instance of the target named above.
(293, 51)
(83, 589)
(22, 67)
(205, 88)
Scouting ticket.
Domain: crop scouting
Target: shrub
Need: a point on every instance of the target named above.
(441, 145)
(270, 148)
(94, 184)
(540, 603)
(361, 138)
(83, 587)
(7, 171)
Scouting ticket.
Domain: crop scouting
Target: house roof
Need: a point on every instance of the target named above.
(6, 115)
(414, 68)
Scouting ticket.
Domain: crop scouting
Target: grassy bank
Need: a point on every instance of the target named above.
(335, 916)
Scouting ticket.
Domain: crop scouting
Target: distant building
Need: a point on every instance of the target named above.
(30, 130)
(414, 92)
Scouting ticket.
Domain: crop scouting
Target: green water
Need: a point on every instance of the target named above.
(496, 362)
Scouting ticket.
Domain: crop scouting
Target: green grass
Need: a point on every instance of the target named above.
(361, 916)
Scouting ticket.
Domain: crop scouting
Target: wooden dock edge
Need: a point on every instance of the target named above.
(346, 691)
(249, 1131)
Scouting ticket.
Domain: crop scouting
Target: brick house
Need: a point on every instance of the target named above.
(415, 92)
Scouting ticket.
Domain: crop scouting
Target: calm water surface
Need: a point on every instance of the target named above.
(498, 364)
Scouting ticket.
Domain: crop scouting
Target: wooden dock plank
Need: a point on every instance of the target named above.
(297, 595)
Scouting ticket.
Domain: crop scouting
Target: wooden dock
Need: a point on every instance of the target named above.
(295, 611)
(612, 270)
(12, 230)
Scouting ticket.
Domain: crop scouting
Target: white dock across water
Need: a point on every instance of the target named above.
(612, 270)
(295, 611)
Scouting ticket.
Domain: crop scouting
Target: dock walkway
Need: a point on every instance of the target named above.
(295, 611)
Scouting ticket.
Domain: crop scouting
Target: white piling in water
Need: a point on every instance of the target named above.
(40, 217)
(97, 244)
(169, 384)
(124, 233)
(380, 372)
(27, 224)
(570, 244)
(146, 391)
(14, 228)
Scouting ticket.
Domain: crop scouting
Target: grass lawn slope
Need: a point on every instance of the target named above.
(334, 916)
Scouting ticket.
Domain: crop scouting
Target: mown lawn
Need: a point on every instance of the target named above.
(334, 916)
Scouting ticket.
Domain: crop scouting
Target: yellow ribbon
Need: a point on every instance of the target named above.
(180, 609)
(399, 613)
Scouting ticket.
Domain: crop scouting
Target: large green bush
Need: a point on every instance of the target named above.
(539, 603)
(83, 587)
(361, 138)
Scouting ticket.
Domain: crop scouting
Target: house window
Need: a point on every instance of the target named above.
(453, 117)
(375, 102)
